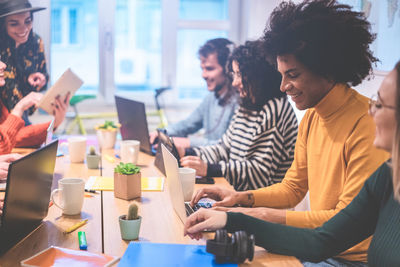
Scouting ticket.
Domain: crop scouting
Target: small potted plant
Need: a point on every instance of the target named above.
(130, 224)
(92, 159)
(107, 134)
(127, 181)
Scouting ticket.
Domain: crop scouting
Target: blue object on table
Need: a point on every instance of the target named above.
(156, 254)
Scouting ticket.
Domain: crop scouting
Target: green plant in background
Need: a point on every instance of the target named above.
(92, 150)
(133, 211)
(126, 168)
(108, 125)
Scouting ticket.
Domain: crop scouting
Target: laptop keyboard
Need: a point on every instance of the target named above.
(190, 209)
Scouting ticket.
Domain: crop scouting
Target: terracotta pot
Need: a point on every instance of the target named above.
(127, 186)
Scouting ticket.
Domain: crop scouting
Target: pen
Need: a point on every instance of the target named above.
(75, 226)
(90, 191)
(82, 240)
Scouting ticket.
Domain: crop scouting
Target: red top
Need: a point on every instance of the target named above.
(14, 133)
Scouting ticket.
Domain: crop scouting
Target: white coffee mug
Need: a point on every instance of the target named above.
(77, 149)
(72, 192)
(130, 151)
(187, 177)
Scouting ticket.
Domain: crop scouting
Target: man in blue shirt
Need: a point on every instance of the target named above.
(217, 108)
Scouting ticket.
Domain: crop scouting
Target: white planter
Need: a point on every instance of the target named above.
(107, 138)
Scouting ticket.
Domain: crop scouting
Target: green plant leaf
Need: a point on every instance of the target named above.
(126, 168)
(108, 125)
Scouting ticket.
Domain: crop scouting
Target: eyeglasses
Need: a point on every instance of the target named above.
(234, 75)
(375, 103)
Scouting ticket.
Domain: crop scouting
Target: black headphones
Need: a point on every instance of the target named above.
(236, 247)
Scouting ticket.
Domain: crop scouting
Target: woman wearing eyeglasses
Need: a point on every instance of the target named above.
(258, 147)
(23, 52)
(374, 211)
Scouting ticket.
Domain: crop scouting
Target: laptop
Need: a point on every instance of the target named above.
(27, 195)
(168, 142)
(132, 117)
(182, 208)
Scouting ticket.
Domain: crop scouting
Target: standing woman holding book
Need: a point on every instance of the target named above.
(13, 132)
(23, 52)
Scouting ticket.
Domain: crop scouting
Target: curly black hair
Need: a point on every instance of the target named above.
(327, 37)
(261, 81)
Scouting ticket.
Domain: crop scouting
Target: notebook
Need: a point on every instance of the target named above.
(68, 82)
(56, 256)
(103, 183)
(156, 254)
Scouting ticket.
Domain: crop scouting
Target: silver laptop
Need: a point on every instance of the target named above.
(181, 207)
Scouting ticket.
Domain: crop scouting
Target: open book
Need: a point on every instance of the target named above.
(68, 82)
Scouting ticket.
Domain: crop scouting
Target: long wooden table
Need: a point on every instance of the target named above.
(160, 224)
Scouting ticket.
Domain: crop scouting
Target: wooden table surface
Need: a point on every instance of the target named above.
(160, 224)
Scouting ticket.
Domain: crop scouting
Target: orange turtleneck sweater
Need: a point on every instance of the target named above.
(334, 156)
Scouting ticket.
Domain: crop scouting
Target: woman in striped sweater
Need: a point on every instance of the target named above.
(258, 146)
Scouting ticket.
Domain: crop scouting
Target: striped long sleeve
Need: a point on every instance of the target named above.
(258, 147)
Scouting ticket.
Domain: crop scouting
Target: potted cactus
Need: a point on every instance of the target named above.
(127, 181)
(130, 224)
(92, 159)
(107, 134)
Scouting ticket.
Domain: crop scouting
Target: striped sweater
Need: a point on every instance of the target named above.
(258, 147)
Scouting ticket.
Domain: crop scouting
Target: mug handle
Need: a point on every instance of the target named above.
(55, 191)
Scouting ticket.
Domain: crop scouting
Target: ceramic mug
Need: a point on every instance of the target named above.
(130, 151)
(72, 192)
(187, 177)
(77, 149)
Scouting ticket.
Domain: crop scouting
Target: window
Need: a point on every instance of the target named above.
(138, 45)
(152, 43)
(75, 41)
(204, 9)
(199, 21)
(56, 26)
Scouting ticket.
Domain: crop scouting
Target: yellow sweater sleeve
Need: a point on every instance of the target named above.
(362, 160)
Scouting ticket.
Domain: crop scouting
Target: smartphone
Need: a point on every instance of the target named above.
(205, 180)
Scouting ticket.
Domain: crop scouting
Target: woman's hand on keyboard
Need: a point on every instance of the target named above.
(204, 219)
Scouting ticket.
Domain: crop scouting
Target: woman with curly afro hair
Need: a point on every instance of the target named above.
(258, 147)
(321, 48)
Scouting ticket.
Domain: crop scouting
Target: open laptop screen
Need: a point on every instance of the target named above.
(27, 194)
(132, 117)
